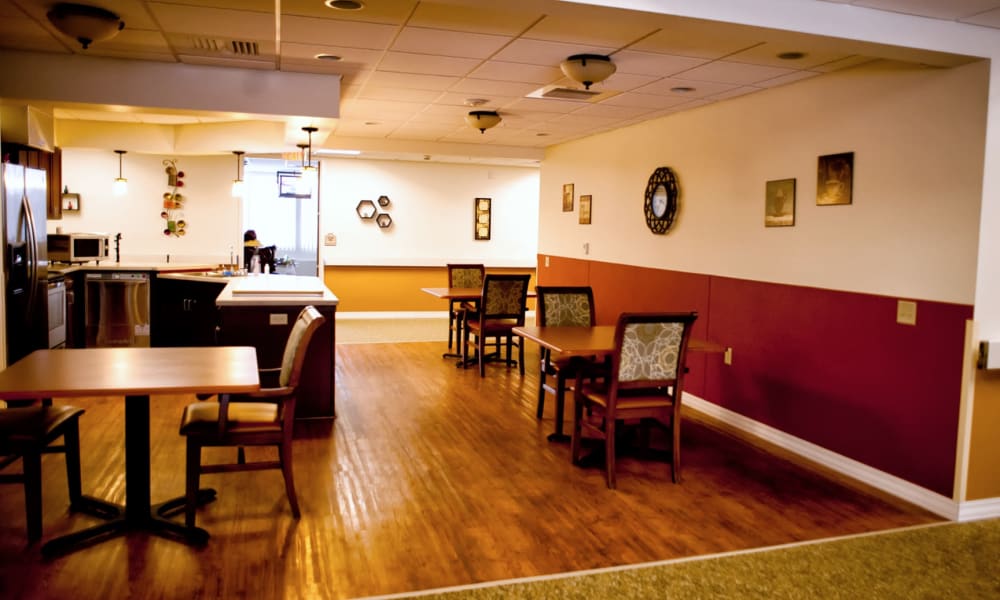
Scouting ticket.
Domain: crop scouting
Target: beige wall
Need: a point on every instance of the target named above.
(912, 231)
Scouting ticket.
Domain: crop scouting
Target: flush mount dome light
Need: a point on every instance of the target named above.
(345, 4)
(85, 24)
(483, 119)
(588, 69)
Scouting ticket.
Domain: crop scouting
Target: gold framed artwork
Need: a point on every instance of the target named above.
(70, 201)
(835, 178)
(483, 217)
(585, 201)
(567, 197)
(779, 203)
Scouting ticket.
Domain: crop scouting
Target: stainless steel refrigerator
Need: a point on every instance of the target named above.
(25, 261)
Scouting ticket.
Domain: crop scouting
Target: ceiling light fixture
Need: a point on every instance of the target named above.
(791, 55)
(238, 182)
(682, 89)
(85, 24)
(588, 69)
(327, 57)
(483, 119)
(120, 185)
(345, 4)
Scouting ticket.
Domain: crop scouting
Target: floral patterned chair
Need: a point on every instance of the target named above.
(503, 305)
(646, 382)
(461, 276)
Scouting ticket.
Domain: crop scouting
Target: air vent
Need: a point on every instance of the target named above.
(234, 47)
(555, 92)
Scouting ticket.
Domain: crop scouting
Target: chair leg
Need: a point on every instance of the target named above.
(575, 441)
(451, 322)
(481, 351)
(241, 456)
(541, 384)
(609, 451)
(520, 356)
(285, 456)
(71, 440)
(32, 464)
(675, 458)
(191, 478)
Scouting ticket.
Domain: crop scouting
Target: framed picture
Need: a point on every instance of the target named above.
(71, 202)
(567, 197)
(483, 217)
(834, 179)
(585, 209)
(779, 203)
(288, 185)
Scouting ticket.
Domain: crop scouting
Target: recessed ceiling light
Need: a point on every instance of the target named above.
(475, 101)
(681, 89)
(330, 57)
(791, 55)
(372, 123)
(541, 134)
(345, 4)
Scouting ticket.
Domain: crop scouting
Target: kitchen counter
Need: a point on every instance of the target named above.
(275, 290)
(159, 267)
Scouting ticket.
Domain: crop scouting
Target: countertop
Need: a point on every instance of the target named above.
(275, 290)
(106, 265)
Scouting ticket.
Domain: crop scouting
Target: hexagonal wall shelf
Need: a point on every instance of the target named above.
(384, 220)
(366, 209)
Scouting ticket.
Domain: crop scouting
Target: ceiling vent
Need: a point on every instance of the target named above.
(555, 92)
(233, 47)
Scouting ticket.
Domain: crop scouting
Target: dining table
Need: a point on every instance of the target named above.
(136, 374)
(462, 294)
(579, 342)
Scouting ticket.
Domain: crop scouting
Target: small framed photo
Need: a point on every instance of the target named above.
(567, 197)
(585, 201)
(483, 217)
(779, 203)
(288, 185)
(834, 179)
(71, 202)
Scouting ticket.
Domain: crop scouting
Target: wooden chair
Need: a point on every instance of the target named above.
(461, 276)
(27, 433)
(645, 382)
(263, 418)
(560, 306)
(504, 302)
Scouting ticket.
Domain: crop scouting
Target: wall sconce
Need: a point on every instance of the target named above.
(238, 182)
(588, 69)
(85, 24)
(483, 119)
(120, 186)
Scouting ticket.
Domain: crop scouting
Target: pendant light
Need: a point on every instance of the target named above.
(120, 186)
(238, 182)
(309, 172)
(588, 69)
(303, 185)
(483, 119)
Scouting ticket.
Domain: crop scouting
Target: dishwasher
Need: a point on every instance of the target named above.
(117, 309)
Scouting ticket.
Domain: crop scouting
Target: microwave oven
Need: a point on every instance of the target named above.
(78, 247)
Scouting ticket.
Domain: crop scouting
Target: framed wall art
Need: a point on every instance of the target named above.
(70, 202)
(585, 201)
(834, 180)
(483, 216)
(567, 197)
(779, 203)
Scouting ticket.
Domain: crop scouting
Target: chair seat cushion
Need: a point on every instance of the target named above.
(244, 417)
(629, 399)
(33, 424)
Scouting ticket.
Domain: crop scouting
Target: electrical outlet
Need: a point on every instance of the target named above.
(546, 261)
(906, 312)
(727, 358)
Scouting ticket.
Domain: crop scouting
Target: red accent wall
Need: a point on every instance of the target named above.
(833, 368)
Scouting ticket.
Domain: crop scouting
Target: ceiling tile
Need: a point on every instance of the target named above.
(613, 111)
(647, 101)
(349, 34)
(426, 64)
(378, 11)
(381, 110)
(538, 52)
(448, 43)
(952, 9)
(767, 54)
(850, 61)
(689, 37)
(544, 105)
(701, 88)
(652, 63)
(485, 88)
(458, 99)
(582, 31)
(723, 71)
(479, 19)
(508, 71)
(371, 92)
(990, 18)
(197, 20)
(352, 56)
(786, 79)
(621, 82)
(407, 80)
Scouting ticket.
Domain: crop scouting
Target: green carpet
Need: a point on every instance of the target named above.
(949, 560)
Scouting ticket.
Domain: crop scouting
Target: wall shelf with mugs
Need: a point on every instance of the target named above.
(173, 201)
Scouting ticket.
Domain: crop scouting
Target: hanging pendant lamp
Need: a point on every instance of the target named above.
(120, 185)
(238, 182)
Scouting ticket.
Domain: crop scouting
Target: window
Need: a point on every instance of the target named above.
(288, 223)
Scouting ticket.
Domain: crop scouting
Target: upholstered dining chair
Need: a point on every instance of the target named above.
(645, 382)
(560, 306)
(461, 276)
(27, 433)
(503, 305)
(263, 418)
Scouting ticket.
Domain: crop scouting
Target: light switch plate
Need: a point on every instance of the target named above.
(330, 239)
(906, 312)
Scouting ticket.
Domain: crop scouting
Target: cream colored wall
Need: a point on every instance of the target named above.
(912, 231)
(210, 210)
(432, 213)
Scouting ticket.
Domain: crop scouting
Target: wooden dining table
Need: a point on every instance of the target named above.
(473, 295)
(585, 342)
(136, 374)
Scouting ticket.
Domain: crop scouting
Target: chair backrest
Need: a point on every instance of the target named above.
(466, 276)
(650, 350)
(563, 306)
(504, 297)
(305, 325)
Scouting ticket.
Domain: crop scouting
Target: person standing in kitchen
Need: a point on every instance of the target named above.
(264, 254)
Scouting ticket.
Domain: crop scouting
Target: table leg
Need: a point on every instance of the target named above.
(137, 514)
(558, 435)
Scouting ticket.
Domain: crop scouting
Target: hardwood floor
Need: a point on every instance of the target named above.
(431, 476)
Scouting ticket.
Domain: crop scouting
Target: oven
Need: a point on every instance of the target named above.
(57, 314)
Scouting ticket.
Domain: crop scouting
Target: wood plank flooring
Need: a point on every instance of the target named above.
(430, 477)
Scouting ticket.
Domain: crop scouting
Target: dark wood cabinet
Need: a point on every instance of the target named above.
(50, 162)
(266, 328)
(184, 312)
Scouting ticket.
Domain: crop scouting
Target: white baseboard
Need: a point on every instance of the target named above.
(974, 510)
(915, 494)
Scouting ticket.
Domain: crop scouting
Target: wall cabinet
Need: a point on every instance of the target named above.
(50, 162)
(184, 312)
